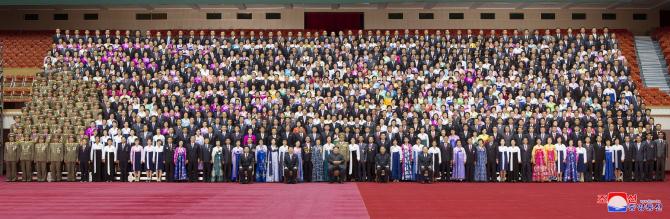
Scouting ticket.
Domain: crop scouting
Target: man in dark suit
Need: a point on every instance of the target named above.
(192, 157)
(598, 159)
(205, 159)
(470, 163)
(123, 156)
(588, 173)
(290, 167)
(425, 162)
(246, 166)
(227, 160)
(639, 159)
(629, 156)
(336, 165)
(168, 156)
(491, 156)
(526, 156)
(382, 165)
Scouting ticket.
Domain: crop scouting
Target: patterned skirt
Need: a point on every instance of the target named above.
(539, 173)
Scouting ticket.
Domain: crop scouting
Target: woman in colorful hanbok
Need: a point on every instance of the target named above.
(407, 161)
(416, 150)
(261, 155)
(137, 159)
(273, 162)
(608, 170)
(180, 163)
(539, 159)
(297, 152)
(217, 163)
(570, 162)
(458, 160)
(396, 157)
(327, 150)
(235, 156)
(480, 163)
(317, 160)
(550, 156)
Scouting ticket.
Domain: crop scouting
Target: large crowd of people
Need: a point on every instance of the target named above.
(426, 106)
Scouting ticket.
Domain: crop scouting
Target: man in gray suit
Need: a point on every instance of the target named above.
(661, 155)
(650, 156)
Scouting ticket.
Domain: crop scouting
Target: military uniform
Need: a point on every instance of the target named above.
(27, 157)
(41, 159)
(71, 153)
(55, 159)
(12, 151)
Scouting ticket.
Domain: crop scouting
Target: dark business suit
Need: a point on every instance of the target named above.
(332, 166)
(650, 156)
(246, 168)
(629, 155)
(168, 157)
(491, 156)
(227, 163)
(84, 159)
(192, 166)
(526, 166)
(599, 157)
(425, 162)
(206, 158)
(290, 168)
(123, 155)
(470, 152)
(382, 163)
(588, 174)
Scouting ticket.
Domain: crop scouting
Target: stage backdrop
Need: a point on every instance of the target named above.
(334, 21)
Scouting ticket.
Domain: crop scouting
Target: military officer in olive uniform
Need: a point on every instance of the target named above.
(41, 158)
(55, 159)
(71, 153)
(12, 151)
(27, 157)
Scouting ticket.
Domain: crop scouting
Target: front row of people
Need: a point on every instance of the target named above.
(481, 160)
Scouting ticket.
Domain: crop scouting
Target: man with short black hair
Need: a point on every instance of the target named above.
(336, 165)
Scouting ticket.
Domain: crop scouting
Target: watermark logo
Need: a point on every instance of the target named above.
(621, 202)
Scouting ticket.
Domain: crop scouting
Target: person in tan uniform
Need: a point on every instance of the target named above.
(27, 156)
(12, 151)
(344, 151)
(41, 158)
(55, 159)
(71, 153)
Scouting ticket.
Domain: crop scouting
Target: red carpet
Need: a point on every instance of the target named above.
(168, 200)
(503, 200)
(319, 200)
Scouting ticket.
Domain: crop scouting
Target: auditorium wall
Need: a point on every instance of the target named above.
(184, 18)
